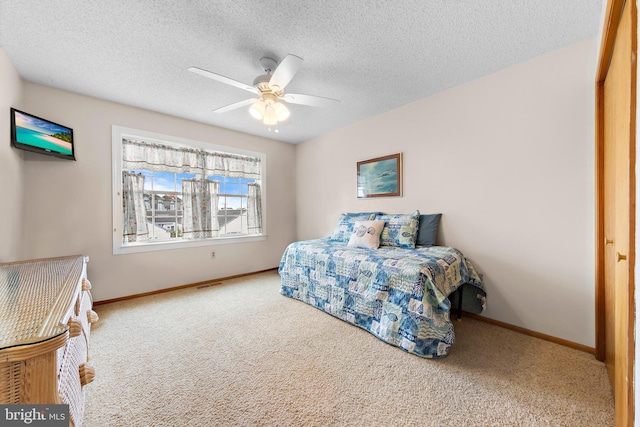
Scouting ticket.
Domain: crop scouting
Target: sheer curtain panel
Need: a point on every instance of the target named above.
(254, 209)
(134, 218)
(200, 208)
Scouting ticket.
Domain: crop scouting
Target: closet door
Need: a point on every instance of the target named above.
(616, 116)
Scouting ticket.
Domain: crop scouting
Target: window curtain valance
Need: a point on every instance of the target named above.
(157, 157)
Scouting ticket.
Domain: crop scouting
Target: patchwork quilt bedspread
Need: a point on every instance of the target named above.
(399, 295)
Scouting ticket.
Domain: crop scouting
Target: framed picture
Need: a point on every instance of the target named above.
(380, 177)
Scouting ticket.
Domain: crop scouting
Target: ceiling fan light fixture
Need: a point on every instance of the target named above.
(269, 118)
(281, 112)
(257, 110)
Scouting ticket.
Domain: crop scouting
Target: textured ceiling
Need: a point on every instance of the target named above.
(373, 55)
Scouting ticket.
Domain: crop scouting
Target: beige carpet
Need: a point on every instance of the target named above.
(241, 354)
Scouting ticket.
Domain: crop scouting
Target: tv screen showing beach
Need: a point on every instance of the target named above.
(42, 134)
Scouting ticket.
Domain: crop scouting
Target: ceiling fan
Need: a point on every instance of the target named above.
(269, 91)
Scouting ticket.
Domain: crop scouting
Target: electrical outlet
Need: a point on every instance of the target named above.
(213, 255)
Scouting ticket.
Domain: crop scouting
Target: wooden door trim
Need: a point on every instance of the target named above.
(631, 348)
(612, 17)
(600, 349)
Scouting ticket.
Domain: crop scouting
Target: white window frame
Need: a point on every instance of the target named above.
(119, 247)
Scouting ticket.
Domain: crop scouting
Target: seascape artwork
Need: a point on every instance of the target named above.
(42, 134)
(379, 177)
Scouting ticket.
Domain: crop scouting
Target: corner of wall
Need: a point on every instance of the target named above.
(11, 164)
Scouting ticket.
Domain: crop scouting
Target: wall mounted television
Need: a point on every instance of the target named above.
(32, 133)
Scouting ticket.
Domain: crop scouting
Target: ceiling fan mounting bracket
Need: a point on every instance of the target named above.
(268, 64)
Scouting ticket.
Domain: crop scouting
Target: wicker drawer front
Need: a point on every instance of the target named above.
(70, 387)
(75, 372)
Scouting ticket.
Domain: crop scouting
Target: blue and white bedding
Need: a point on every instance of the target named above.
(400, 295)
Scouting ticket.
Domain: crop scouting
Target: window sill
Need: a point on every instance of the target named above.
(182, 244)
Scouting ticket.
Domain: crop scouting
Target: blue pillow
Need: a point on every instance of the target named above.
(344, 227)
(428, 229)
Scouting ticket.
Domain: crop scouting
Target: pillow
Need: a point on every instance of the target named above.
(428, 229)
(366, 234)
(400, 230)
(344, 227)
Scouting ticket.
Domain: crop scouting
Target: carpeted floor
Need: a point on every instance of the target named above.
(240, 354)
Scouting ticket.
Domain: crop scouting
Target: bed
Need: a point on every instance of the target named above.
(399, 293)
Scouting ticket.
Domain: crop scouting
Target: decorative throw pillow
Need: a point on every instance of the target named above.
(344, 227)
(366, 234)
(400, 230)
(428, 229)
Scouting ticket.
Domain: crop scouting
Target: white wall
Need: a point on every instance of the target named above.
(509, 161)
(11, 171)
(68, 204)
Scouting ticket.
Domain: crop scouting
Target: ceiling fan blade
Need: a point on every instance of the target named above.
(312, 100)
(284, 72)
(235, 105)
(224, 79)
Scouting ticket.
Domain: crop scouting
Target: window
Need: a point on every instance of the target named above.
(171, 192)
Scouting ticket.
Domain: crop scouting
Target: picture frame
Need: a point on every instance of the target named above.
(380, 177)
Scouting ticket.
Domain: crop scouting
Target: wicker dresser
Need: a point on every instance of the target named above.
(45, 320)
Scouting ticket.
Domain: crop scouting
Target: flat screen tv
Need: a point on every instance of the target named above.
(38, 135)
